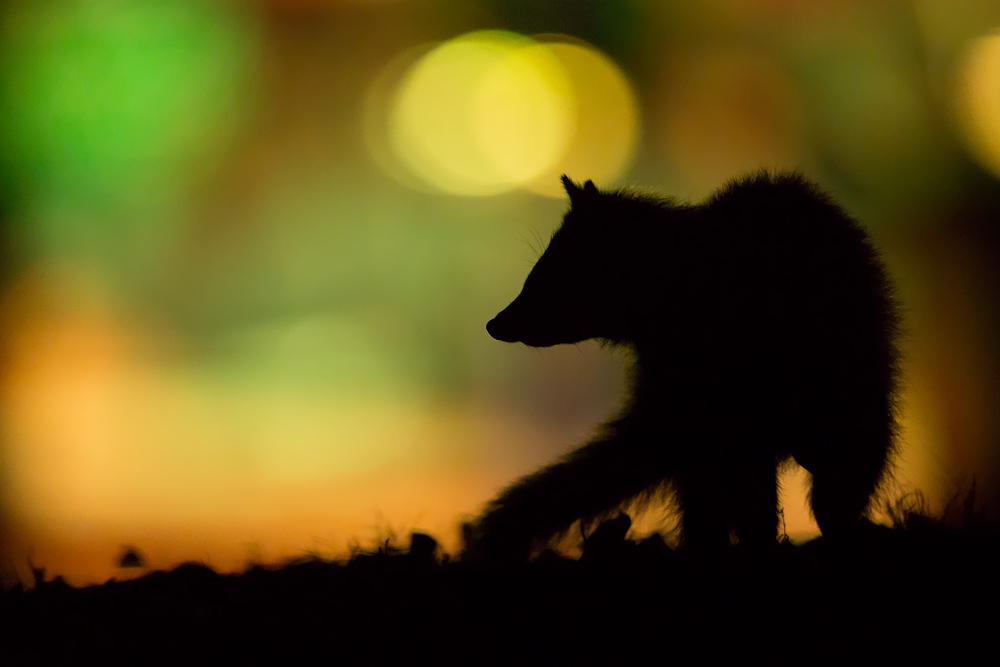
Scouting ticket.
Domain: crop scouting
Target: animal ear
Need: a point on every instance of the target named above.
(578, 194)
(572, 189)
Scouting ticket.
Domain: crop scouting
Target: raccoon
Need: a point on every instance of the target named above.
(762, 326)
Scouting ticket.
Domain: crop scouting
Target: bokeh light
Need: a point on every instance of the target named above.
(492, 111)
(102, 438)
(483, 113)
(105, 101)
(607, 122)
(979, 101)
(524, 113)
(377, 118)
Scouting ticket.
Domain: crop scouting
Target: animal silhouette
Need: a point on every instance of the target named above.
(761, 325)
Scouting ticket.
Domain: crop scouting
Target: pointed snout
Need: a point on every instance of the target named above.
(501, 327)
(519, 323)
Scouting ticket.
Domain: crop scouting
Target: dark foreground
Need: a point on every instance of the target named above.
(917, 592)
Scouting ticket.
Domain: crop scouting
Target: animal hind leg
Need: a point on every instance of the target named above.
(847, 475)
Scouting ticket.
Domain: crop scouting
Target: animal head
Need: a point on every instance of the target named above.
(574, 290)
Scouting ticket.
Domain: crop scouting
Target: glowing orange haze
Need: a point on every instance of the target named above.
(107, 446)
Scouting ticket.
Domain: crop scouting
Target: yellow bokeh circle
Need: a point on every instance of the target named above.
(524, 113)
(482, 113)
(607, 123)
(492, 111)
(979, 101)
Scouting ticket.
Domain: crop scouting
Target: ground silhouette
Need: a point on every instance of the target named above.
(920, 590)
(762, 325)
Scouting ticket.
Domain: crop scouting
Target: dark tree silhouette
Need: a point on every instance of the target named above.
(762, 326)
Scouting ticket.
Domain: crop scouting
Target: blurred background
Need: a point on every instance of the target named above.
(249, 249)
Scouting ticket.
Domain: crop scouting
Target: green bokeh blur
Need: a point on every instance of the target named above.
(113, 114)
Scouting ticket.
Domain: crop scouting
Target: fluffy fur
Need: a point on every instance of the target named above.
(762, 325)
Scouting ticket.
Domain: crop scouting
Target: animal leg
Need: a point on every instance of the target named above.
(755, 501)
(847, 476)
(701, 498)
